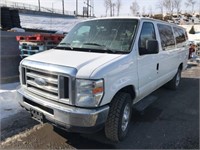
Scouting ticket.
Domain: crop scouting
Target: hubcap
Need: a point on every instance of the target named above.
(178, 78)
(125, 117)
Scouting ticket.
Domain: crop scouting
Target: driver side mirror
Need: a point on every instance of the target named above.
(152, 47)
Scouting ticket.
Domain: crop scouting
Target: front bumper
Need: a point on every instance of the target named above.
(68, 117)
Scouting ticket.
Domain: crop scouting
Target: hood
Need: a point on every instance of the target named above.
(84, 62)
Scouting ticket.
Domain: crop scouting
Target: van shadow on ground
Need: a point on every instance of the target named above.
(162, 125)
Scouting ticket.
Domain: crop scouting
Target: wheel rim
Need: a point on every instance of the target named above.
(178, 78)
(125, 117)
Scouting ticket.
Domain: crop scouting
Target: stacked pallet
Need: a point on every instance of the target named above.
(29, 45)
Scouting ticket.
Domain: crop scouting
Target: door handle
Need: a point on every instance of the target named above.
(157, 68)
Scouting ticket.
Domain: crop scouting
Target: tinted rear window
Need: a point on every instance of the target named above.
(167, 37)
(179, 35)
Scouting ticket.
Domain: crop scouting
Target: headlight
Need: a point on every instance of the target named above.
(89, 92)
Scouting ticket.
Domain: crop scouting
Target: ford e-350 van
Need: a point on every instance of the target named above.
(100, 70)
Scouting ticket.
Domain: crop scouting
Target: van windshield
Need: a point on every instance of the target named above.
(104, 35)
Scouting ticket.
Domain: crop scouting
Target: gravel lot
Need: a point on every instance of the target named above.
(171, 122)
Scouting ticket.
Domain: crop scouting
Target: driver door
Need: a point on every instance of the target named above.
(148, 64)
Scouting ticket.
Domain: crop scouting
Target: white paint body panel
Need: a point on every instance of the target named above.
(84, 62)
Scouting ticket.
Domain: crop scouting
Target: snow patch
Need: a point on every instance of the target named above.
(48, 22)
(9, 100)
(192, 36)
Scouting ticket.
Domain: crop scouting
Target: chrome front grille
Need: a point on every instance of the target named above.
(49, 85)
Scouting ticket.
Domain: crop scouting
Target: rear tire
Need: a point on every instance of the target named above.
(117, 124)
(174, 83)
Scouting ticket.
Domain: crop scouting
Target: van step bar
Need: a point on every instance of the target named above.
(145, 102)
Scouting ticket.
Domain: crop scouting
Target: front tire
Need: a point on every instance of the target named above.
(117, 124)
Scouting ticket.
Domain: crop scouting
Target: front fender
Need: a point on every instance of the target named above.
(117, 75)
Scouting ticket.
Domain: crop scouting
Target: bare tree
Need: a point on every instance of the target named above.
(118, 5)
(190, 3)
(169, 6)
(177, 5)
(143, 11)
(113, 9)
(134, 7)
(166, 5)
(172, 7)
(110, 4)
(106, 5)
(150, 11)
(160, 5)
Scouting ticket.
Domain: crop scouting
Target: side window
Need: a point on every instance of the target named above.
(147, 33)
(167, 37)
(179, 35)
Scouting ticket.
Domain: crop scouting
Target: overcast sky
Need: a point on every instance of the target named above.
(99, 9)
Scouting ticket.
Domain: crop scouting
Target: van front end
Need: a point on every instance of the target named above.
(52, 94)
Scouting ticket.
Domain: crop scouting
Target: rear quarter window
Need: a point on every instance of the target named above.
(179, 36)
(166, 36)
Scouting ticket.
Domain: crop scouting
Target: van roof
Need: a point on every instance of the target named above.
(138, 18)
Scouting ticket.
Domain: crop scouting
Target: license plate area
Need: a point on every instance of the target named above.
(38, 116)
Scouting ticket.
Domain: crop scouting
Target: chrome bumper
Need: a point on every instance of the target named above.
(64, 115)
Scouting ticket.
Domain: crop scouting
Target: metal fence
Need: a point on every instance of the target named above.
(23, 6)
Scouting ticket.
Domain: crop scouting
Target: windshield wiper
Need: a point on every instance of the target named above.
(64, 46)
(103, 49)
(99, 45)
(94, 44)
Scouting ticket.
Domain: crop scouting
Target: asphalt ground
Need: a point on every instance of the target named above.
(171, 122)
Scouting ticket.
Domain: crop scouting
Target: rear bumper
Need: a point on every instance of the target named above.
(67, 117)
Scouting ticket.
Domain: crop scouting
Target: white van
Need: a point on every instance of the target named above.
(100, 70)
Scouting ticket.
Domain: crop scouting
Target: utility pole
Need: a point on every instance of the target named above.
(90, 11)
(63, 7)
(39, 4)
(87, 8)
(76, 7)
(92, 7)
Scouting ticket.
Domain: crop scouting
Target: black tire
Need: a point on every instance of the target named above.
(174, 83)
(114, 129)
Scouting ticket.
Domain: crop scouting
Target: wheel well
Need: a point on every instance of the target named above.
(181, 66)
(128, 89)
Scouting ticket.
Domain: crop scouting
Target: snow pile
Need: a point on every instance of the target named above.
(48, 22)
(193, 36)
(8, 100)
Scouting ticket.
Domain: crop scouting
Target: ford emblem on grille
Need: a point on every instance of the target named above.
(40, 81)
